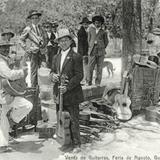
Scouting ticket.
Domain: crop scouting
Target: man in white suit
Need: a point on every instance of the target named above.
(12, 108)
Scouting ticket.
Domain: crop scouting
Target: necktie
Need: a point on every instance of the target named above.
(37, 31)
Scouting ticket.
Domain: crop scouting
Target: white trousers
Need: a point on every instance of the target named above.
(20, 108)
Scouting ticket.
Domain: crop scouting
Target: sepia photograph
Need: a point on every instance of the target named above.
(79, 79)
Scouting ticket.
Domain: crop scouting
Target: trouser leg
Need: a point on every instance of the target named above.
(99, 60)
(34, 69)
(74, 125)
(85, 68)
(74, 122)
(20, 109)
(92, 62)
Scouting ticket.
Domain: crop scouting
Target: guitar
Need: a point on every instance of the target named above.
(123, 102)
(63, 123)
(16, 87)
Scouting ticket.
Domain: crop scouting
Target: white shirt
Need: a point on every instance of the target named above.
(7, 73)
(35, 28)
(56, 34)
(49, 36)
(63, 56)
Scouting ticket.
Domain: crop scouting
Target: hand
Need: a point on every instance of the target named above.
(25, 71)
(43, 64)
(63, 89)
(55, 77)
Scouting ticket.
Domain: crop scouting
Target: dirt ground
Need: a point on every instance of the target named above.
(138, 139)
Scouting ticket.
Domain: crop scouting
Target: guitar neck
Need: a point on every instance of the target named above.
(126, 88)
(61, 103)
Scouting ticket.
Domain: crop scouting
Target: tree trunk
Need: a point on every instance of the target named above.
(132, 42)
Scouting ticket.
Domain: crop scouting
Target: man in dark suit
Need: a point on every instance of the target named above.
(52, 47)
(68, 63)
(83, 44)
(98, 41)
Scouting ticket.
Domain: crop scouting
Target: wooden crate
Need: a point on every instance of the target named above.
(145, 87)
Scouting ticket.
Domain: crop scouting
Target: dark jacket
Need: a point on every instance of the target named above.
(101, 38)
(73, 69)
(82, 42)
(51, 39)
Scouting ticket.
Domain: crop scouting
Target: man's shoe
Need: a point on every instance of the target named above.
(54, 136)
(13, 141)
(97, 85)
(66, 148)
(77, 149)
(5, 149)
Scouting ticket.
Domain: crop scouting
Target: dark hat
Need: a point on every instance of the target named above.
(5, 43)
(7, 31)
(54, 24)
(85, 20)
(47, 23)
(156, 31)
(98, 18)
(34, 12)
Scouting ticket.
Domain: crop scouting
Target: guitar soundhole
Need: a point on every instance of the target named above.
(124, 104)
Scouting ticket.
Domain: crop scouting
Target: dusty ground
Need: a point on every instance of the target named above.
(138, 140)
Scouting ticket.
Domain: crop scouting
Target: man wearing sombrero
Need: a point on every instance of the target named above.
(98, 41)
(83, 44)
(13, 108)
(68, 63)
(7, 34)
(36, 36)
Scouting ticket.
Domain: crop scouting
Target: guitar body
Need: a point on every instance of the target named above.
(63, 123)
(14, 88)
(63, 130)
(122, 107)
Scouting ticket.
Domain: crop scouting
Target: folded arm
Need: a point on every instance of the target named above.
(7, 73)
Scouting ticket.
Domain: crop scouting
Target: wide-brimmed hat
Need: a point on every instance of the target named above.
(5, 43)
(63, 32)
(34, 12)
(54, 24)
(47, 24)
(144, 60)
(7, 31)
(156, 31)
(85, 20)
(98, 18)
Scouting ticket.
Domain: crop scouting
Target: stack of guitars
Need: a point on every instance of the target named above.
(96, 116)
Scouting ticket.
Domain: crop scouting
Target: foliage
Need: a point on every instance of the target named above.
(69, 13)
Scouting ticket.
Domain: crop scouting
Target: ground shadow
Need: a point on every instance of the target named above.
(28, 146)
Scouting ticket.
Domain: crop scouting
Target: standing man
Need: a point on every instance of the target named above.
(52, 47)
(83, 44)
(54, 28)
(12, 108)
(98, 41)
(69, 63)
(37, 38)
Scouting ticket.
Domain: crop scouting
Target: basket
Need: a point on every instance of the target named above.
(145, 87)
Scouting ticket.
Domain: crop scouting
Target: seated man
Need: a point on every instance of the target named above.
(12, 109)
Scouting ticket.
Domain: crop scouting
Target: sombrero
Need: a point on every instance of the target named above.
(64, 32)
(6, 43)
(7, 31)
(143, 60)
(34, 12)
